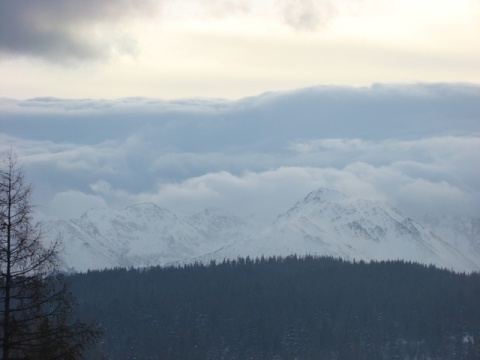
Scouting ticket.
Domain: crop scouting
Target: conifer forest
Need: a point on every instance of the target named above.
(283, 308)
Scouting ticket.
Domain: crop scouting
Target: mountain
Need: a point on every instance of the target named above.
(327, 223)
(324, 223)
(462, 232)
(141, 235)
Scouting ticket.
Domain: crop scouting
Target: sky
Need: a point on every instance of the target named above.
(242, 105)
(230, 48)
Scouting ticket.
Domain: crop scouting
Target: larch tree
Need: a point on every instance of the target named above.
(36, 308)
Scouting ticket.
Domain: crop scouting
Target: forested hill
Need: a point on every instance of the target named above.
(291, 308)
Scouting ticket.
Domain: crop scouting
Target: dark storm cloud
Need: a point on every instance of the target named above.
(68, 30)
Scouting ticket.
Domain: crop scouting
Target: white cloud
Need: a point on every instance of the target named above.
(72, 204)
(264, 194)
(269, 193)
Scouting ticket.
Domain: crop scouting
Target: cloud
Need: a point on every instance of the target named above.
(263, 194)
(267, 194)
(307, 14)
(69, 30)
(72, 204)
(414, 146)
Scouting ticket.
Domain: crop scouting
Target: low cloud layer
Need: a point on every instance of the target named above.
(415, 146)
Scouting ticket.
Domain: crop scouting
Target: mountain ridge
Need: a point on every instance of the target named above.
(325, 223)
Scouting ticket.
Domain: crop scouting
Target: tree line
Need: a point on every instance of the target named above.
(283, 308)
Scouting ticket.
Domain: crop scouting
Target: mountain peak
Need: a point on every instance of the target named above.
(320, 198)
(143, 206)
(324, 195)
(210, 211)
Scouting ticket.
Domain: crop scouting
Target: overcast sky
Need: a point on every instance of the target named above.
(243, 105)
(230, 48)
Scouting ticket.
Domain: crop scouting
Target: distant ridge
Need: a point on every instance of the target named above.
(325, 223)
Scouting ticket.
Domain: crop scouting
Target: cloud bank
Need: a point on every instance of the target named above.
(415, 146)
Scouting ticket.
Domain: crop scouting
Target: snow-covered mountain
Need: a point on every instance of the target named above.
(328, 223)
(462, 233)
(141, 235)
(325, 222)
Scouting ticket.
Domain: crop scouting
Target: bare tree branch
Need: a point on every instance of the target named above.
(36, 306)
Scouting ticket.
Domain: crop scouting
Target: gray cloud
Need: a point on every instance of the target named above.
(307, 14)
(71, 31)
(68, 30)
(413, 145)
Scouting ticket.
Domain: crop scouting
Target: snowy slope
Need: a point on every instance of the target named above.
(325, 222)
(461, 232)
(328, 223)
(141, 235)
